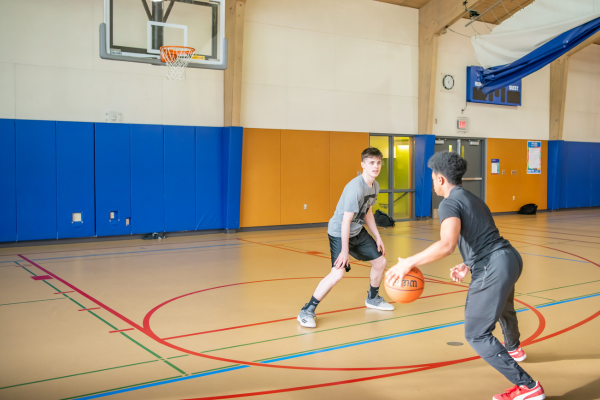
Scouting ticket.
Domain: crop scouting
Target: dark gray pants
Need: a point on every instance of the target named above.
(491, 299)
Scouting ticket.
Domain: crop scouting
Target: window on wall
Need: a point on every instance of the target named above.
(396, 179)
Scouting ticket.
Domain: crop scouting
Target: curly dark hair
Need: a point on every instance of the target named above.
(371, 152)
(450, 165)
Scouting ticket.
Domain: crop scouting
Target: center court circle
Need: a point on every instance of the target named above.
(148, 330)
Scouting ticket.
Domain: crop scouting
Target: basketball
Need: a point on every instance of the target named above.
(407, 290)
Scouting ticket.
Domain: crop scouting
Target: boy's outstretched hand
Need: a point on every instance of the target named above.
(459, 272)
(399, 271)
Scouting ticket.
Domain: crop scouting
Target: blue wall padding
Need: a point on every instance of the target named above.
(579, 175)
(147, 179)
(232, 147)
(595, 178)
(75, 179)
(180, 178)
(572, 181)
(555, 151)
(36, 179)
(210, 178)
(113, 179)
(8, 194)
(424, 149)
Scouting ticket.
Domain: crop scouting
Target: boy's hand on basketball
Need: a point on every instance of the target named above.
(459, 272)
(399, 271)
(380, 246)
(342, 260)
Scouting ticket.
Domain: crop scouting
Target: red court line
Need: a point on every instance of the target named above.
(537, 230)
(84, 294)
(148, 331)
(562, 251)
(41, 278)
(301, 252)
(125, 247)
(120, 330)
(231, 396)
(88, 309)
(70, 291)
(293, 318)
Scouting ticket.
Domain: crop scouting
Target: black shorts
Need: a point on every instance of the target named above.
(362, 247)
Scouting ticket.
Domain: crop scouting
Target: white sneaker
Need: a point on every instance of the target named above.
(307, 319)
(378, 303)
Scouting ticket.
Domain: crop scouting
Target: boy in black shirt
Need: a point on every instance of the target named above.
(495, 267)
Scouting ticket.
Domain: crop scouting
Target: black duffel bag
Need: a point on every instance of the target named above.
(383, 220)
(528, 209)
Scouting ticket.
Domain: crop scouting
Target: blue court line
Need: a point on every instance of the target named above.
(130, 252)
(148, 251)
(558, 258)
(408, 237)
(184, 378)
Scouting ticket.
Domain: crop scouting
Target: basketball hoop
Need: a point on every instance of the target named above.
(177, 59)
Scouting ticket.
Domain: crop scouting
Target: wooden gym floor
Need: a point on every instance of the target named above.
(212, 317)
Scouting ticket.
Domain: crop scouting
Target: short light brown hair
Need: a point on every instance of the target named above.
(371, 152)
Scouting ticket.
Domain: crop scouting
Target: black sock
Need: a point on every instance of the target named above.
(531, 385)
(373, 292)
(311, 305)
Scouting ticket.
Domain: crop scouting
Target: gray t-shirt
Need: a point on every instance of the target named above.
(479, 236)
(358, 198)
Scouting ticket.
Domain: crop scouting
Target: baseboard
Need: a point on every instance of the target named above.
(92, 239)
(281, 227)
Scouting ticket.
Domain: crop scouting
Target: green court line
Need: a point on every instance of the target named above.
(122, 387)
(114, 327)
(32, 301)
(82, 373)
(357, 341)
(322, 348)
(332, 329)
(539, 297)
(234, 365)
(445, 279)
(561, 287)
(183, 355)
(570, 298)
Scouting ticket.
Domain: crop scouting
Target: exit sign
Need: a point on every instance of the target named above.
(462, 124)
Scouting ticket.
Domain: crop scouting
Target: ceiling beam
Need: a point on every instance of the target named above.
(559, 72)
(434, 17)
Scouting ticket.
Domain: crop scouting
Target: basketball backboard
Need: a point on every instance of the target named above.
(134, 30)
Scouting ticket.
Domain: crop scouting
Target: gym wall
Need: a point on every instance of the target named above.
(50, 69)
(526, 188)
(282, 170)
(530, 120)
(121, 178)
(333, 65)
(582, 106)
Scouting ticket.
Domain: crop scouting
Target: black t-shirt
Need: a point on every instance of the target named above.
(478, 233)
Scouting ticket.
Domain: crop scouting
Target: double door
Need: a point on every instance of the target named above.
(473, 151)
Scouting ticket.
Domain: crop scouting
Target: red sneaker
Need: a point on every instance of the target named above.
(518, 354)
(522, 393)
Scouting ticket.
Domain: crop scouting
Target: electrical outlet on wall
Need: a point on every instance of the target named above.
(305, 206)
(113, 116)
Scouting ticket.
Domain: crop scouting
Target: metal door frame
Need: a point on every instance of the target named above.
(391, 173)
(483, 142)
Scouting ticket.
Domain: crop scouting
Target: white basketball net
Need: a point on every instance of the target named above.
(177, 59)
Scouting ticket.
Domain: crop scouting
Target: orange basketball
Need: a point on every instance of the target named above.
(407, 290)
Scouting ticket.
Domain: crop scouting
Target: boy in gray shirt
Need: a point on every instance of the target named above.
(347, 236)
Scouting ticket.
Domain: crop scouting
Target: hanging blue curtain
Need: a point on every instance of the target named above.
(498, 77)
